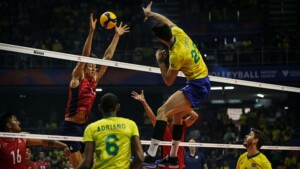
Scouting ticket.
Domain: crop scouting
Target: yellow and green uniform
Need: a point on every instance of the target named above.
(112, 140)
(257, 161)
(185, 57)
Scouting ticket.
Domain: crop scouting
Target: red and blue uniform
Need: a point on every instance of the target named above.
(80, 103)
(81, 98)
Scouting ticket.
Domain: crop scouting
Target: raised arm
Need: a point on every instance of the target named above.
(141, 98)
(156, 16)
(119, 31)
(79, 68)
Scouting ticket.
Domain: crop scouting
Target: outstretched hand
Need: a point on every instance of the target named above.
(139, 97)
(147, 10)
(160, 55)
(67, 152)
(120, 30)
(92, 23)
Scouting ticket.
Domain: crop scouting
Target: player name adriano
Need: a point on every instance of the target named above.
(112, 127)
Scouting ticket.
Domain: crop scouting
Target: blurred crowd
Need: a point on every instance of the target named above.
(62, 26)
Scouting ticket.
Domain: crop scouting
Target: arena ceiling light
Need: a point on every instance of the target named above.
(260, 95)
(98, 89)
(221, 88)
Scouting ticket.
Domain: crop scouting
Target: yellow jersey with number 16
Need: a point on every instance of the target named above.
(185, 57)
(112, 140)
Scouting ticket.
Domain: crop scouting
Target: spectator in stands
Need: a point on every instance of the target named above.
(29, 163)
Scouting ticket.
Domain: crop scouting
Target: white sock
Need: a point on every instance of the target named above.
(153, 147)
(174, 148)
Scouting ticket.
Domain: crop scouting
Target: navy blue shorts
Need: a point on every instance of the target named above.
(68, 128)
(197, 91)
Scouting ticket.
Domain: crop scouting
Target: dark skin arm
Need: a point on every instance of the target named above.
(137, 152)
(87, 161)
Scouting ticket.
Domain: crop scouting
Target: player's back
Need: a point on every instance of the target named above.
(112, 140)
(12, 153)
(184, 56)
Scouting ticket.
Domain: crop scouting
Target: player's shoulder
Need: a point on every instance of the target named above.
(243, 155)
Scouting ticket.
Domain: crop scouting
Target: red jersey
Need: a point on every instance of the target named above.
(30, 165)
(12, 153)
(82, 97)
(42, 164)
(166, 149)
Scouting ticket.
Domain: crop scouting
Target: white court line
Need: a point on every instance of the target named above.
(77, 58)
(144, 142)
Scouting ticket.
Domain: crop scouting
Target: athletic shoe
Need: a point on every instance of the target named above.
(171, 162)
(149, 161)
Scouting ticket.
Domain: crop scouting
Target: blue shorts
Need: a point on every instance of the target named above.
(68, 128)
(197, 91)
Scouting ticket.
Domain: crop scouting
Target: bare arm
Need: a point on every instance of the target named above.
(190, 120)
(156, 16)
(119, 31)
(141, 98)
(79, 68)
(137, 152)
(49, 143)
(87, 161)
(168, 75)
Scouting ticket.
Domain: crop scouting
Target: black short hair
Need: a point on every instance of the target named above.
(162, 31)
(4, 118)
(260, 136)
(109, 102)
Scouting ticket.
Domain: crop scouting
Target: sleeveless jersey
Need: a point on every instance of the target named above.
(185, 57)
(82, 97)
(12, 153)
(166, 149)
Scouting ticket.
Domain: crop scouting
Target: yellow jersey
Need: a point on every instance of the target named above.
(258, 161)
(112, 140)
(185, 57)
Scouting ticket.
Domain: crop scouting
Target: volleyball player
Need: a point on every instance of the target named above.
(42, 163)
(82, 90)
(29, 163)
(186, 122)
(253, 158)
(13, 150)
(113, 139)
(183, 56)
